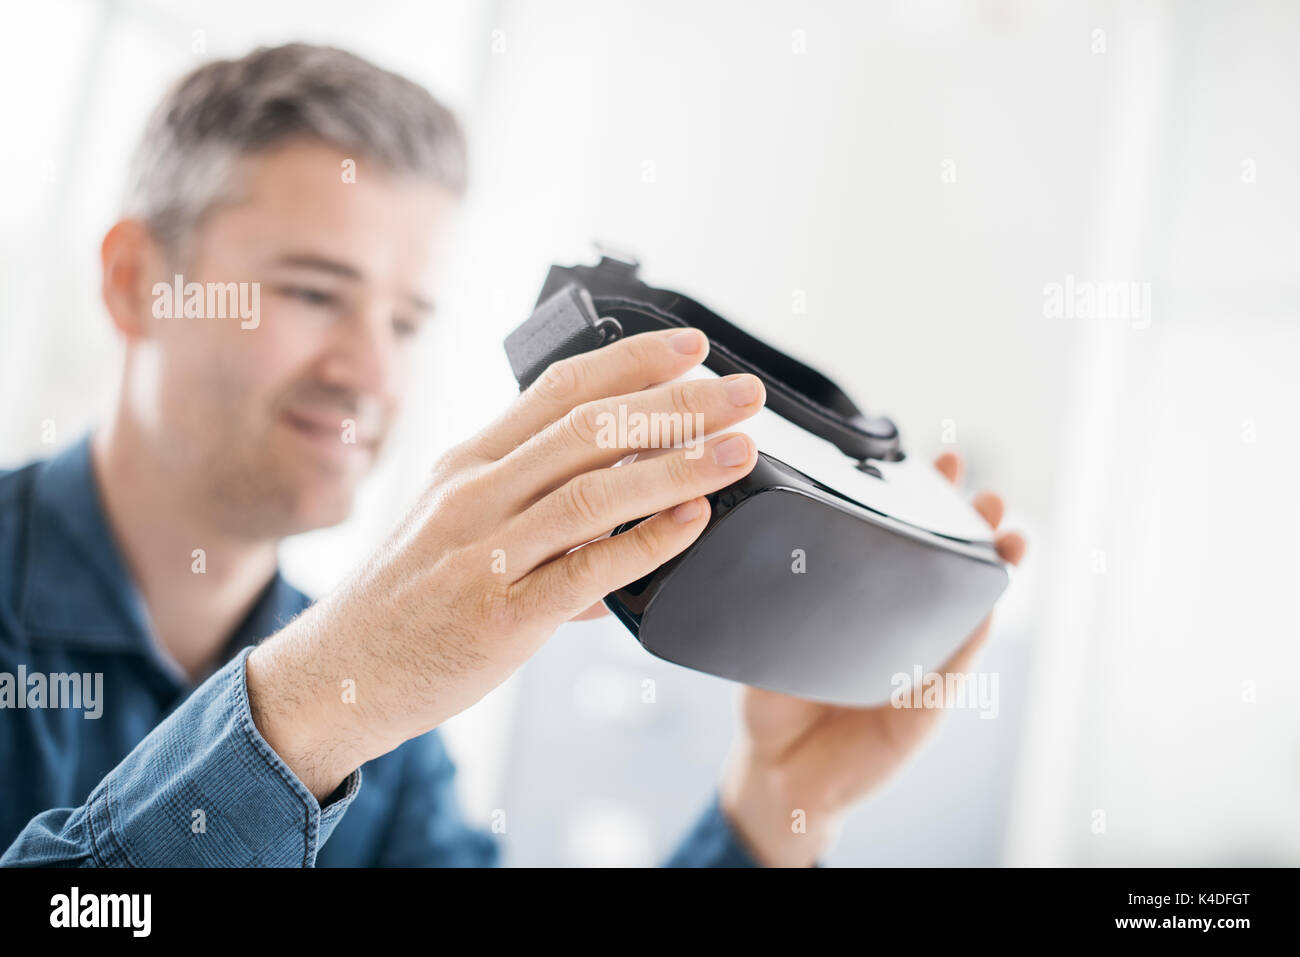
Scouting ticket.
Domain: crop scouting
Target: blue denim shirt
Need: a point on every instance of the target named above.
(168, 774)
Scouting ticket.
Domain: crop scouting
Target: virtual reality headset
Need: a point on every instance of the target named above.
(839, 563)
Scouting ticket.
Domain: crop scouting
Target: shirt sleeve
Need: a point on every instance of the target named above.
(428, 827)
(712, 842)
(203, 789)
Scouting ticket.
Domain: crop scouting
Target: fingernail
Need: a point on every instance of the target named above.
(686, 512)
(742, 390)
(733, 451)
(687, 342)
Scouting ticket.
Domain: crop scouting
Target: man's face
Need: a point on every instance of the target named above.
(276, 425)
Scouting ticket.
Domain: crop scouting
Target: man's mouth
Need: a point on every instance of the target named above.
(329, 430)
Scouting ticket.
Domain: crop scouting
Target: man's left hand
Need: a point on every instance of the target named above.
(796, 756)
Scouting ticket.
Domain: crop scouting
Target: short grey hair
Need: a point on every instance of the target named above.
(228, 109)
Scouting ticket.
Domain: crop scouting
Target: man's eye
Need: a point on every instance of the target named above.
(405, 328)
(313, 297)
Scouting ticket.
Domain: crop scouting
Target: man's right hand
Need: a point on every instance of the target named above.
(504, 546)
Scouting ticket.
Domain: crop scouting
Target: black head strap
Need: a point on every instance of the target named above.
(584, 307)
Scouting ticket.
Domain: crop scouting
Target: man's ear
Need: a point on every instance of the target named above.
(130, 265)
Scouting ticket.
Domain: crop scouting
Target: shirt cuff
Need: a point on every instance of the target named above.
(712, 842)
(204, 789)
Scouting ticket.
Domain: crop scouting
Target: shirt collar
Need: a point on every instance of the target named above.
(78, 591)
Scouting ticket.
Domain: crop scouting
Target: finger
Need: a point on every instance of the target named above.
(1011, 547)
(585, 575)
(599, 433)
(629, 365)
(989, 505)
(952, 467)
(598, 610)
(589, 505)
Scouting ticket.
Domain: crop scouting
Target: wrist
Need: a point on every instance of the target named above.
(774, 823)
(303, 716)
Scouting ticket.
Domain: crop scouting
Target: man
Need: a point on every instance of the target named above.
(329, 184)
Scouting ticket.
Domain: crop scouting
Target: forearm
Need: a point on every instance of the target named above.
(204, 788)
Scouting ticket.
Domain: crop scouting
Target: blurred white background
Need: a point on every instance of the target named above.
(915, 173)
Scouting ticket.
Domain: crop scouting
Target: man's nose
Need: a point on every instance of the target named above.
(363, 356)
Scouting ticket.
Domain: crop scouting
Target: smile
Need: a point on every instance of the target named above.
(342, 437)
